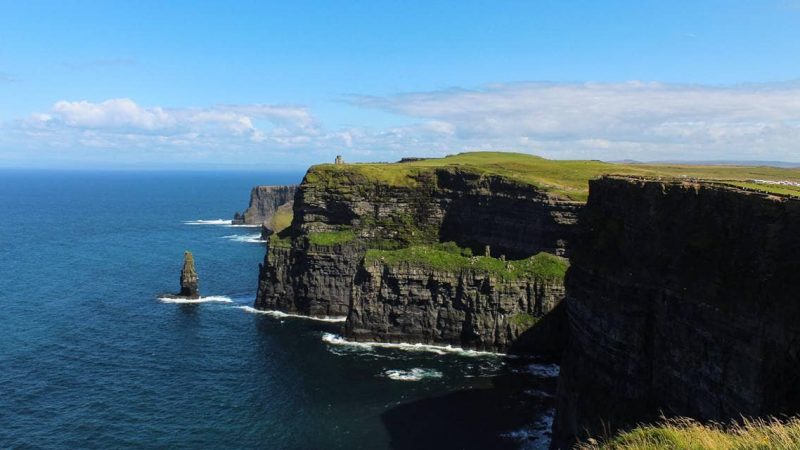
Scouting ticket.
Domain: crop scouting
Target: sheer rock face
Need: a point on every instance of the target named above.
(309, 279)
(465, 308)
(682, 298)
(264, 201)
(190, 282)
(446, 204)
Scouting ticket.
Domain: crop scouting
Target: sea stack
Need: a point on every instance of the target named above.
(190, 282)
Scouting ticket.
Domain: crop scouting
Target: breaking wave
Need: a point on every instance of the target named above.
(335, 339)
(210, 298)
(208, 222)
(252, 238)
(282, 315)
(415, 374)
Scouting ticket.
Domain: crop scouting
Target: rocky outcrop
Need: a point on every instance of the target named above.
(308, 279)
(306, 275)
(466, 308)
(264, 201)
(682, 299)
(445, 204)
(190, 282)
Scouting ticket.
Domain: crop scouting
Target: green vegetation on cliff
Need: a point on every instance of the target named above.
(451, 258)
(281, 219)
(331, 237)
(564, 179)
(679, 434)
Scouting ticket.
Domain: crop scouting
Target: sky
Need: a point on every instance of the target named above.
(280, 85)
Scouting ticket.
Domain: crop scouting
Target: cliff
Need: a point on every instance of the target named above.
(324, 263)
(264, 202)
(681, 300)
(402, 296)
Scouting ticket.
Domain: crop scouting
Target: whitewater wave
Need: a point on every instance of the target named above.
(415, 374)
(335, 339)
(209, 222)
(210, 298)
(227, 223)
(251, 238)
(282, 315)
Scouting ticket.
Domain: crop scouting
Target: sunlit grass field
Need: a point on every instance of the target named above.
(564, 178)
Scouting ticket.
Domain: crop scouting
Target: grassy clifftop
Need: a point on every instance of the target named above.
(449, 257)
(565, 179)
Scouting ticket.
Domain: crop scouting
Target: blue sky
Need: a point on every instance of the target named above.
(285, 84)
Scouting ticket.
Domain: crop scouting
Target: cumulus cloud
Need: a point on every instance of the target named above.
(636, 120)
(611, 120)
(122, 122)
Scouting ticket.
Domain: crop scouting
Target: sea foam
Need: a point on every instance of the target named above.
(335, 339)
(251, 238)
(415, 374)
(208, 222)
(210, 298)
(282, 315)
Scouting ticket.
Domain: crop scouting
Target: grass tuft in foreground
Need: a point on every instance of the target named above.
(682, 433)
(451, 258)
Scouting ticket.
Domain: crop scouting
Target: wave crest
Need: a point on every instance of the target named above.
(335, 339)
(210, 298)
(415, 374)
(282, 315)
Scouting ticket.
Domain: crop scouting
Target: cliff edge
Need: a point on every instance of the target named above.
(681, 300)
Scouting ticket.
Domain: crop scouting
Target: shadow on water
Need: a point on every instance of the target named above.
(514, 410)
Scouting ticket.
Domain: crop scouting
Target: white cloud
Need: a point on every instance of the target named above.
(637, 120)
(611, 120)
(122, 122)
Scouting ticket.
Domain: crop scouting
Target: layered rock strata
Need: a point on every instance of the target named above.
(467, 308)
(682, 299)
(317, 267)
(264, 202)
(190, 282)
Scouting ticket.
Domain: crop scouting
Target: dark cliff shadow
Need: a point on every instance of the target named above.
(514, 409)
(509, 411)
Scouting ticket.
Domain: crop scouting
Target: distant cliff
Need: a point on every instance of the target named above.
(369, 245)
(682, 299)
(264, 202)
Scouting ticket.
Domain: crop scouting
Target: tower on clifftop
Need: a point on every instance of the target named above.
(338, 160)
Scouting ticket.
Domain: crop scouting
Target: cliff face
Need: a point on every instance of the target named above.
(308, 279)
(264, 201)
(467, 308)
(682, 299)
(317, 266)
(446, 204)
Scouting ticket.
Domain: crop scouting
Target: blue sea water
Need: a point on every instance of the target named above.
(91, 358)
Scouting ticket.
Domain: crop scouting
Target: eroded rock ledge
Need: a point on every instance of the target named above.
(320, 264)
(682, 299)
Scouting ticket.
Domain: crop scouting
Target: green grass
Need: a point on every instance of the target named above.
(276, 241)
(329, 238)
(523, 320)
(563, 178)
(451, 258)
(680, 434)
(281, 219)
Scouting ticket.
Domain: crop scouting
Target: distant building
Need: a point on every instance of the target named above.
(338, 160)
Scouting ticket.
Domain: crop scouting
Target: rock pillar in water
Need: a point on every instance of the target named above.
(190, 282)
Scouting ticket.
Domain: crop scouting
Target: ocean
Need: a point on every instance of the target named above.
(91, 358)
